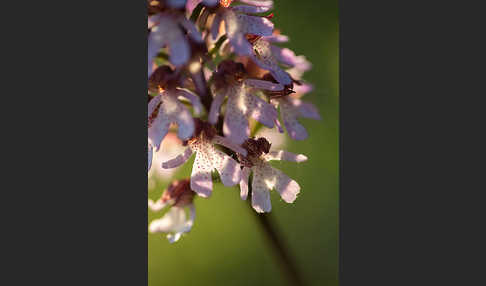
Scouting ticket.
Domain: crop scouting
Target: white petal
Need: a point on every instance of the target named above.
(251, 9)
(263, 84)
(284, 155)
(245, 174)
(191, 30)
(286, 187)
(152, 105)
(235, 126)
(215, 106)
(158, 129)
(179, 51)
(156, 206)
(263, 112)
(178, 113)
(260, 198)
(228, 169)
(179, 160)
(201, 180)
(261, 186)
(173, 221)
(194, 99)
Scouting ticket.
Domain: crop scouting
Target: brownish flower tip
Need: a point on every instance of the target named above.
(197, 49)
(203, 127)
(229, 73)
(288, 89)
(255, 149)
(231, 67)
(163, 77)
(154, 7)
(179, 192)
(252, 38)
(269, 77)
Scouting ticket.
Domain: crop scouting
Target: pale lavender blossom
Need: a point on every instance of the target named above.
(165, 109)
(170, 30)
(175, 222)
(270, 57)
(242, 101)
(170, 147)
(239, 23)
(208, 159)
(265, 177)
(292, 107)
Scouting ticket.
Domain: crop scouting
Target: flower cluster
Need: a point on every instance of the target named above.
(216, 76)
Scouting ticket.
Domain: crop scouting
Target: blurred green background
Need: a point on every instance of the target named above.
(226, 245)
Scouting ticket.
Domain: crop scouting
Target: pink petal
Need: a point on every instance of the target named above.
(155, 42)
(179, 51)
(260, 195)
(281, 76)
(264, 58)
(285, 56)
(215, 106)
(289, 115)
(210, 2)
(277, 38)
(199, 80)
(287, 156)
(245, 174)
(196, 103)
(263, 84)
(286, 187)
(179, 160)
(240, 44)
(258, 3)
(185, 123)
(255, 25)
(228, 169)
(251, 9)
(176, 3)
(171, 110)
(228, 144)
(152, 105)
(158, 130)
(191, 4)
(308, 110)
(191, 30)
(303, 64)
(263, 112)
(201, 181)
(303, 89)
(216, 25)
(235, 33)
(235, 126)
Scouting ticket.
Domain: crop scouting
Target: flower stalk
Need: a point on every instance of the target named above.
(279, 247)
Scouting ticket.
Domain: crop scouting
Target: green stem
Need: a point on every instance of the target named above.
(277, 243)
